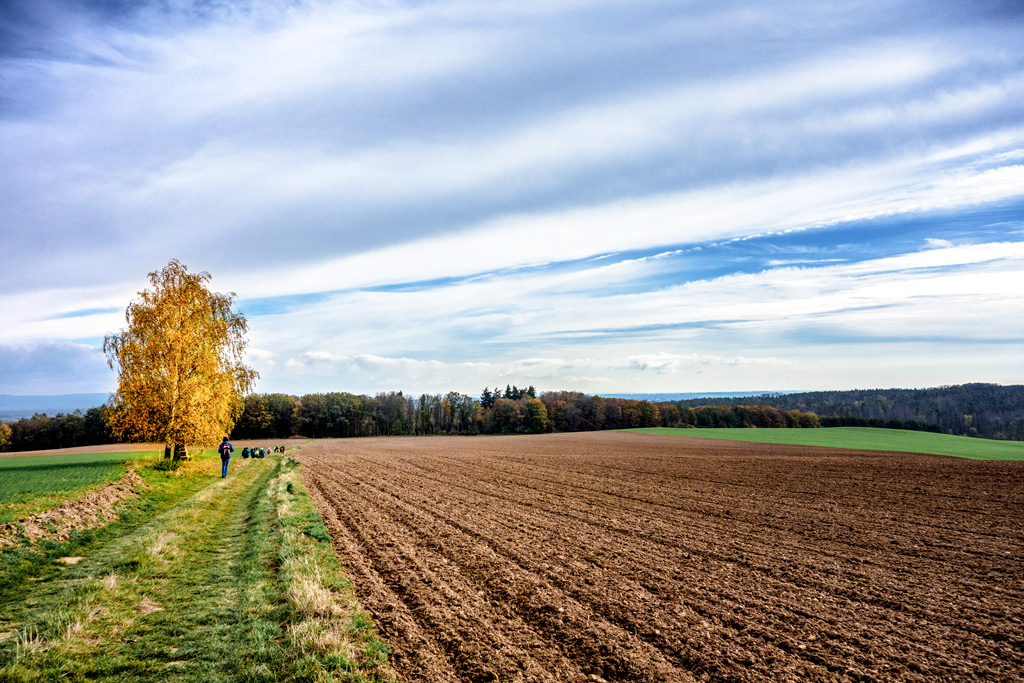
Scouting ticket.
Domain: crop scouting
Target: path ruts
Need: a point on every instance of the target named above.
(648, 558)
(164, 601)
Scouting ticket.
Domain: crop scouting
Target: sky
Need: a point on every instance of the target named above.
(603, 196)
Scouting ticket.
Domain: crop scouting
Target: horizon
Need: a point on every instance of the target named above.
(596, 195)
(5, 398)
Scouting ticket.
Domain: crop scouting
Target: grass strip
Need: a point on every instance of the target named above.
(236, 581)
(863, 438)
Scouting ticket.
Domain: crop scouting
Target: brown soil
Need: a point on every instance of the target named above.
(634, 557)
(92, 510)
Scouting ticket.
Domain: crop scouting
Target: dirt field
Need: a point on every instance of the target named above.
(636, 557)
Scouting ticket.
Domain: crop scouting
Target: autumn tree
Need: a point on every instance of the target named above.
(5, 436)
(180, 365)
(536, 418)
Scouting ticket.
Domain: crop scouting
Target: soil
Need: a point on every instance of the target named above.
(634, 557)
(96, 508)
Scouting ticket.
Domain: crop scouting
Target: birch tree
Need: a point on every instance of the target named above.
(180, 365)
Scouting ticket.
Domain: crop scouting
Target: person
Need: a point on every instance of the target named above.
(225, 456)
(245, 453)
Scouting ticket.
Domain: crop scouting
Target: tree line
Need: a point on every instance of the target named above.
(512, 411)
(340, 414)
(64, 430)
(986, 410)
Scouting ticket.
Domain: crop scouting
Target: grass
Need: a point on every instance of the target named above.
(213, 579)
(864, 438)
(30, 484)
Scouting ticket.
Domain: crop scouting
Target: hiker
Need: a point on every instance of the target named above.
(245, 453)
(225, 456)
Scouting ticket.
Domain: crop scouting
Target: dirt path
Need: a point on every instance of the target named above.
(634, 557)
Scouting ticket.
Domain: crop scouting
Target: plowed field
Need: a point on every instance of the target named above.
(623, 556)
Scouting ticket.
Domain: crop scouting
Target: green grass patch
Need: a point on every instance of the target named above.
(30, 484)
(22, 565)
(212, 579)
(863, 438)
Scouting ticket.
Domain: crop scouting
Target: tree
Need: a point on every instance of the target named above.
(5, 436)
(486, 398)
(179, 364)
(255, 419)
(536, 417)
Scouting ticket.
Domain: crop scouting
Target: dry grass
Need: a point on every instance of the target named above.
(164, 544)
(309, 593)
(147, 606)
(331, 623)
(323, 636)
(110, 582)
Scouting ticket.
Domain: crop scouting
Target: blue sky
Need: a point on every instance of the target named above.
(605, 196)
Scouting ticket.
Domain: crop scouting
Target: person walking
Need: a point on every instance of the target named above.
(225, 456)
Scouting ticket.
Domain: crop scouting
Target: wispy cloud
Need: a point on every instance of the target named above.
(438, 192)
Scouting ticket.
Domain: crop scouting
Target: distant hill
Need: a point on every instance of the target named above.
(17, 407)
(689, 396)
(992, 411)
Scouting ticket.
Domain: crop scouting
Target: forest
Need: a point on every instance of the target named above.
(990, 411)
(983, 410)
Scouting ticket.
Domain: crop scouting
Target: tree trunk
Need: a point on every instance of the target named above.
(179, 452)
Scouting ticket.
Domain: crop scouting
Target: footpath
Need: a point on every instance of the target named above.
(236, 580)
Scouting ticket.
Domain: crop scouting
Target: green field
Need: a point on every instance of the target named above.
(864, 438)
(29, 484)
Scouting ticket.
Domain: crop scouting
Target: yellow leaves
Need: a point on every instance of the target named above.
(5, 436)
(179, 362)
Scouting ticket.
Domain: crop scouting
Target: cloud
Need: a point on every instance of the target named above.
(668, 363)
(765, 320)
(261, 358)
(408, 194)
(54, 368)
(358, 126)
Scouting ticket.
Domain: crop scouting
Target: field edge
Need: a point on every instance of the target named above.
(860, 438)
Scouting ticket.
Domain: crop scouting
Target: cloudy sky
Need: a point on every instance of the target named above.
(604, 195)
